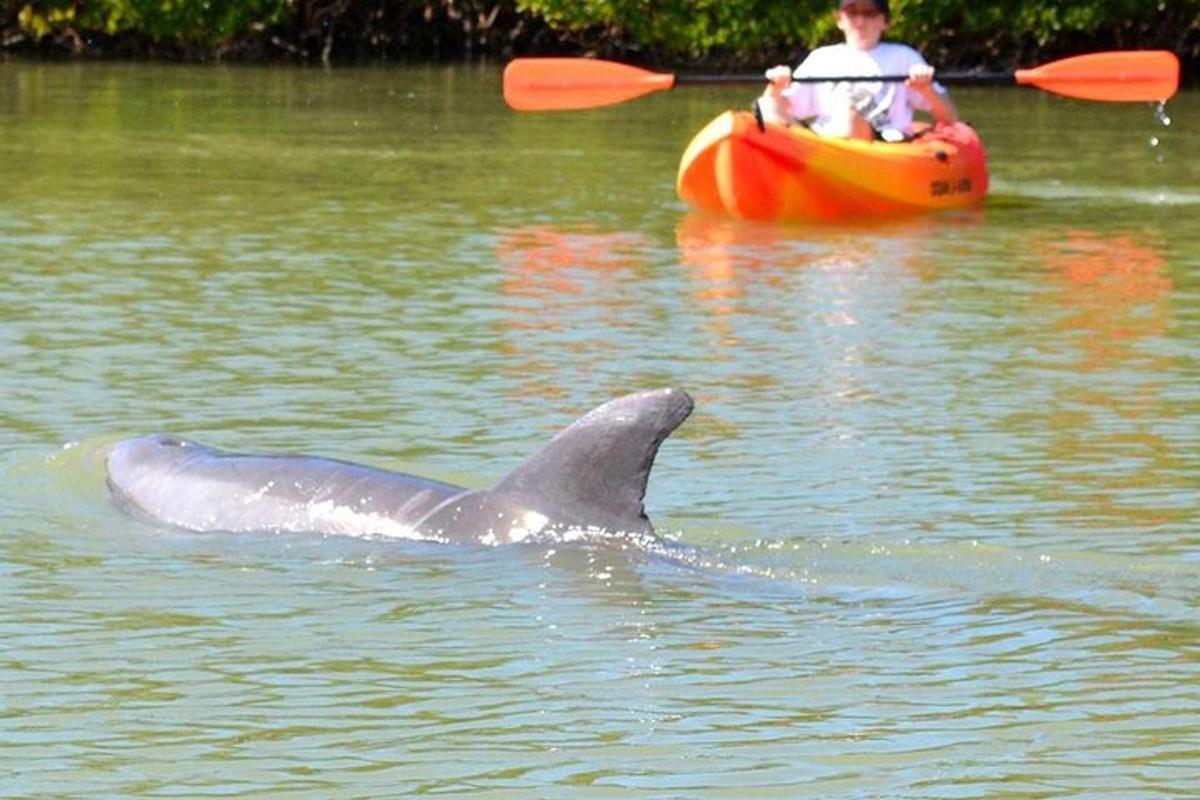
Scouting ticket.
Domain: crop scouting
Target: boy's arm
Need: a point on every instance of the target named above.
(772, 105)
(920, 80)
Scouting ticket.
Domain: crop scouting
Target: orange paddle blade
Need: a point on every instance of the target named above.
(1129, 75)
(545, 84)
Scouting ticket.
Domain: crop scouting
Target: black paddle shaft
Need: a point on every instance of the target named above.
(954, 78)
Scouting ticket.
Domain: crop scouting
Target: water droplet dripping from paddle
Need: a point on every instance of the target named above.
(1160, 116)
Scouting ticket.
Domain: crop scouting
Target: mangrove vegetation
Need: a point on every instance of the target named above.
(665, 32)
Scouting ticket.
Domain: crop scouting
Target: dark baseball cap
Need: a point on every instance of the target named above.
(882, 5)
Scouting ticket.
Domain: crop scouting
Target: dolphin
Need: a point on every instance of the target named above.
(591, 476)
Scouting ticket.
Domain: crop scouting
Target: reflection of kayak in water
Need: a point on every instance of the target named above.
(790, 173)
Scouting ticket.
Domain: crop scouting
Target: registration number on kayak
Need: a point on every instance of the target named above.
(943, 188)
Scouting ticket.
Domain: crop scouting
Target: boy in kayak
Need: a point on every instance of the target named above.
(857, 110)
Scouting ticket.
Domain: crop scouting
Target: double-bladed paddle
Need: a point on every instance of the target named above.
(544, 84)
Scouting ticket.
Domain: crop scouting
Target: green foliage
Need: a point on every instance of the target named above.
(956, 31)
(200, 22)
(1035, 20)
(669, 31)
(695, 28)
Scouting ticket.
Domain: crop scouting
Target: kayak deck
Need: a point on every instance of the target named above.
(778, 172)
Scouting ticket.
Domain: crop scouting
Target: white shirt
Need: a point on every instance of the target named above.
(888, 106)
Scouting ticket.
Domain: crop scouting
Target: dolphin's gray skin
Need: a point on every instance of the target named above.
(592, 475)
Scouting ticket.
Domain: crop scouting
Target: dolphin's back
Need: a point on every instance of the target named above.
(191, 486)
(593, 474)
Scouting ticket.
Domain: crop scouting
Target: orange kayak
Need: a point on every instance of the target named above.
(735, 167)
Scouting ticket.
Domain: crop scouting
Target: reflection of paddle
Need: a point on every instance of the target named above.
(543, 84)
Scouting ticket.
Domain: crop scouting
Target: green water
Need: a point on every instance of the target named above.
(938, 504)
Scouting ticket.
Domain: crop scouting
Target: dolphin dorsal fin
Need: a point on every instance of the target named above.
(594, 472)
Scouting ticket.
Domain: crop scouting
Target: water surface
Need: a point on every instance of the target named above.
(937, 506)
